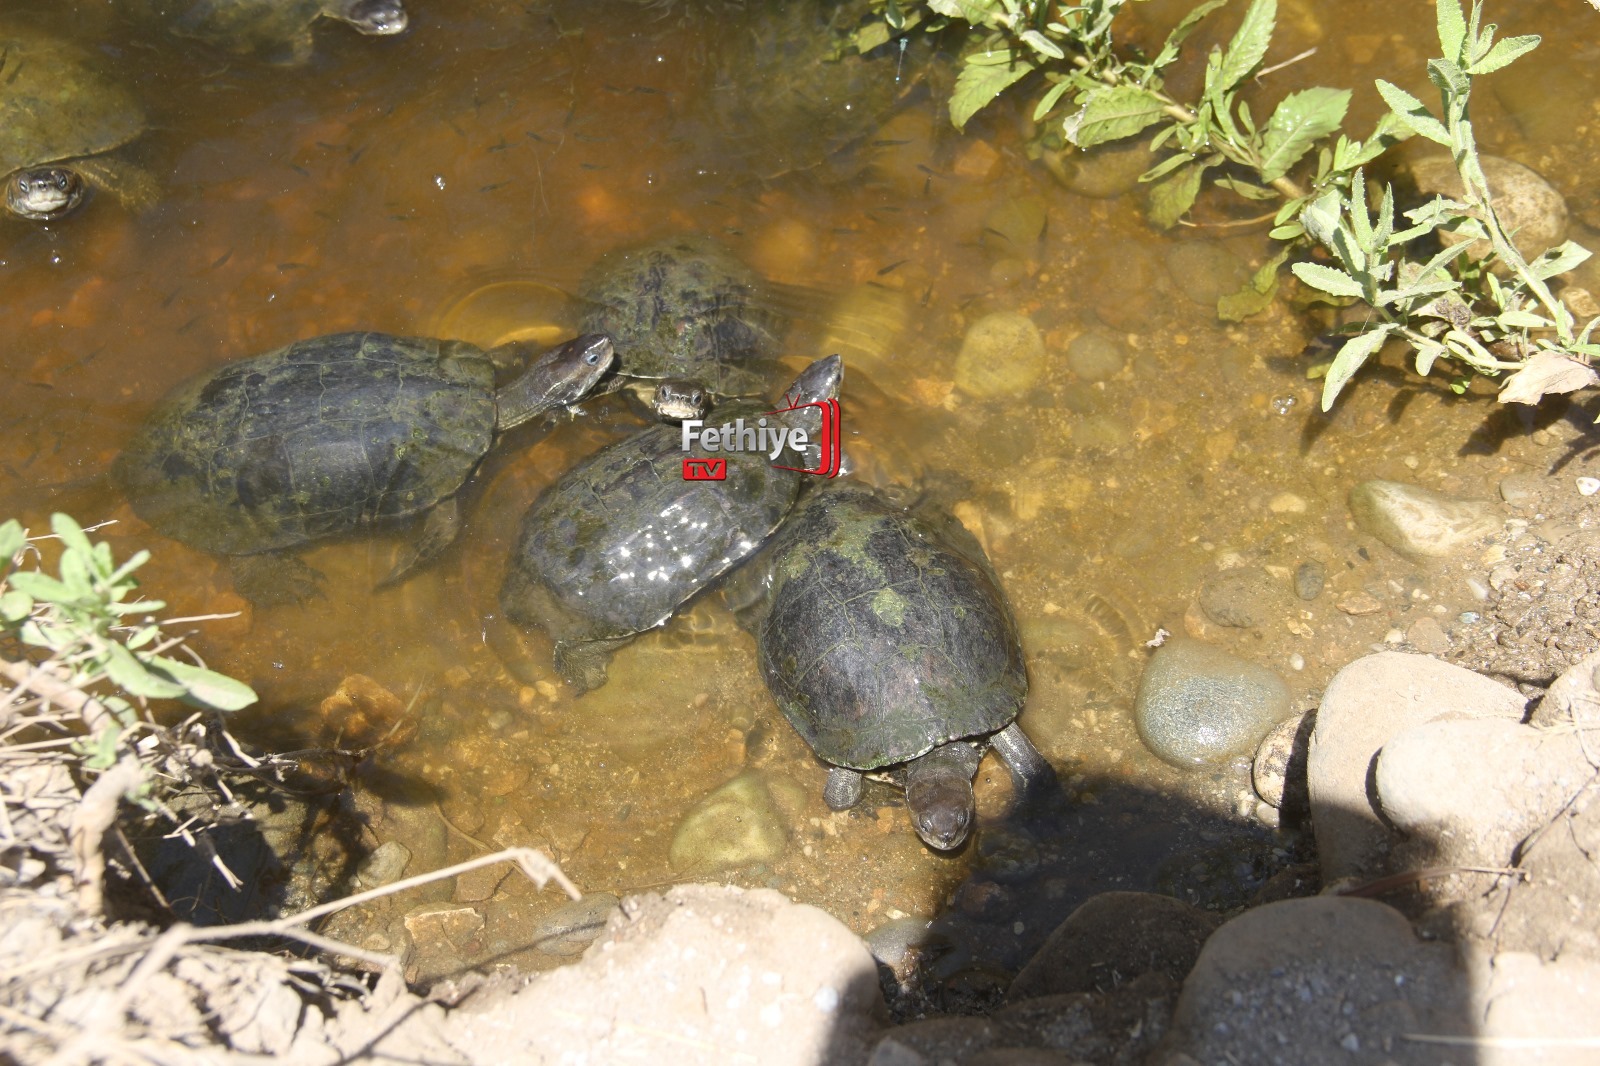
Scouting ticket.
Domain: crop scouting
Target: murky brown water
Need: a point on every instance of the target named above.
(458, 179)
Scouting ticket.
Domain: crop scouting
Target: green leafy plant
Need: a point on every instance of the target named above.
(1445, 305)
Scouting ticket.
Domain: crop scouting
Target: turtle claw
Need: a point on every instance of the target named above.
(582, 664)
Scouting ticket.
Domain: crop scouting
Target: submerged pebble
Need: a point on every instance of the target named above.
(736, 825)
(1200, 704)
(571, 927)
(1416, 521)
(1002, 355)
(1096, 356)
(1243, 598)
(1309, 579)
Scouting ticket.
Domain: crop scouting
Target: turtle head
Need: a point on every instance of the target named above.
(563, 375)
(942, 806)
(44, 193)
(818, 382)
(677, 399)
(376, 18)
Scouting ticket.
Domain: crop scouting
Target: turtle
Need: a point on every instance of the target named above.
(619, 542)
(331, 435)
(281, 30)
(885, 639)
(687, 309)
(61, 117)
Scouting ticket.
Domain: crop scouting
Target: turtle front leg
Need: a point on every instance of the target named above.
(843, 789)
(439, 531)
(1031, 773)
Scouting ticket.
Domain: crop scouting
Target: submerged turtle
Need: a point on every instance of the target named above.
(279, 29)
(616, 545)
(60, 116)
(886, 641)
(333, 435)
(684, 309)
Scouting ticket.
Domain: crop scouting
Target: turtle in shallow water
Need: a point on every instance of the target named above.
(61, 116)
(333, 435)
(278, 29)
(887, 642)
(622, 540)
(684, 309)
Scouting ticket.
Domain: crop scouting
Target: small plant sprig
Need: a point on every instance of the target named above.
(1446, 306)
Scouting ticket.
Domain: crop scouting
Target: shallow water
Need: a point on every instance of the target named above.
(459, 179)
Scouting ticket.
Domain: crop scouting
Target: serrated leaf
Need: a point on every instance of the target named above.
(1112, 113)
(1249, 44)
(1558, 260)
(1175, 39)
(1452, 27)
(134, 677)
(1451, 80)
(1248, 190)
(982, 78)
(1173, 195)
(1299, 120)
(1355, 352)
(1256, 295)
(1328, 279)
(206, 686)
(1165, 167)
(1503, 53)
(1410, 112)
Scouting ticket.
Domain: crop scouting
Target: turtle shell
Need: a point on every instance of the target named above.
(618, 543)
(884, 633)
(684, 308)
(56, 104)
(326, 436)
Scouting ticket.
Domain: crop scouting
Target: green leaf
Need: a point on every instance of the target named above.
(1299, 120)
(1521, 320)
(75, 575)
(1256, 295)
(206, 686)
(1175, 39)
(1248, 190)
(974, 11)
(131, 675)
(1112, 113)
(1355, 352)
(1449, 79)
(41, 587)
(1050, 99)
(1287, 232)
(1321, 217)
(1173, 195)
(1504, 52)
(1329, 280)
(1558, 260)
(1249, 44)
(14, 606)
(871, 36)
(1166, 166)
(12, 538)
(1452, 27)
(1411, 113)
(1427, 354)
(71, 534)
(981, 80)
(1041, 44)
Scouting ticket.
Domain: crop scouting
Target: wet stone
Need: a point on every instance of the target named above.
(736, 825)
(897, 942)
(386, 863)
(1103, 172)
(1243, 598)
(1279, 761)
(1359, 604)
(1200, 704)
(1007, 853)
(986, 901)
(1428, 636)
(1205, 271)
(1002, 355)
(1111, 939)
(1096, 356)
(1309, 579)
(436, 927)
(474, 886)
(1532, 211)
(1415, 521)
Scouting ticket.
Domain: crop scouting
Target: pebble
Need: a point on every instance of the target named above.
(736, 825)
(1104, 172)
(1309, 579)
(1002, 355)
(1276, 761)
(1588, 486)
(1200, 704)
(1205, 271)
(896, 942)
(1287, 503)
(1007, 853)
(1418, 522)
(385, 865)
(1242, 598)
(1359, 603)
(1096, 356)
(571, 927)
(1520, 490)
(1531, 210)
(1428, 637)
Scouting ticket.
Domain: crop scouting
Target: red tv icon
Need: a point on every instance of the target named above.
(705, 469)
(827, 438)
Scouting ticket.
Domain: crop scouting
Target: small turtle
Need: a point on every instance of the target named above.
(683, 309)
(60, 117)
(886, 641)
(333, 435)
(281, 30)
(618, 543)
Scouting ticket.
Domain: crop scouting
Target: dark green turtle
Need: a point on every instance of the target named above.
(618, 543)
(277, 29)
(61, 116)
(684, 308)
(333, 435)
(886, 641)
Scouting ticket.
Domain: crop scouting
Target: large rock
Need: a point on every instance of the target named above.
(705, 974)
(1367, 703)
(1111, 939)
(1434, 783)
(1420, 523)
(1200, 704)
(1326, 980)
(1525, 1001)
(1530, 209)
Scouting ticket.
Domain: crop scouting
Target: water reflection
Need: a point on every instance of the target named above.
(465, 175)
